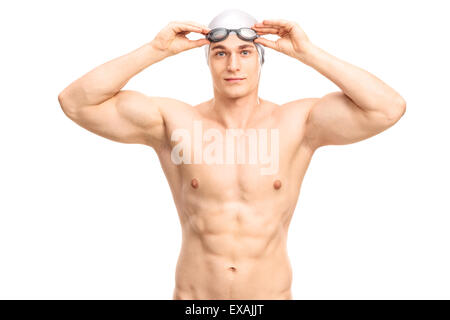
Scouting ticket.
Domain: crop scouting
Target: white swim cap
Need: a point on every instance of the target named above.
(234, 19)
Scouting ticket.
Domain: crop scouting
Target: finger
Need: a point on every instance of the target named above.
(266, 33)
(186, 29)
(271, 28)
(197, 43)
(265, 42)
(267, 26)
(267, 30)
(195, 24)
(205, 29)
(180, 27)
(277, 22)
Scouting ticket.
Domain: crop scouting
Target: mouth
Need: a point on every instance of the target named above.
(234, 79)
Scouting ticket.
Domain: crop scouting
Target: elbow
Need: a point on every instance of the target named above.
(397, 110)
(65, 105)
(62, 101)
(61, 98)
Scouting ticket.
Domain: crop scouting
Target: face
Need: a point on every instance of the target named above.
(234, 58)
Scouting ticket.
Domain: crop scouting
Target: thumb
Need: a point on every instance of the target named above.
(265, 42)
(197, 43)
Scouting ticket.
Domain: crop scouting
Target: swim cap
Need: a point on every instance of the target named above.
(234, 19)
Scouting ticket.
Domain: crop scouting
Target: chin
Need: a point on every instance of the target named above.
(236, 93)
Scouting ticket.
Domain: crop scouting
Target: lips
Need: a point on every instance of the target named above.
(234, 79)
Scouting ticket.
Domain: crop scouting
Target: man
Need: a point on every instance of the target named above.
(234, 215)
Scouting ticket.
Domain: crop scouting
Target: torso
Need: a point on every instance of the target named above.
(234, 219)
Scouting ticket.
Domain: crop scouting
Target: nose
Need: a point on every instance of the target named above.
(233, 63)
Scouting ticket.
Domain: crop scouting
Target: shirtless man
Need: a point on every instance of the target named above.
(234, 218)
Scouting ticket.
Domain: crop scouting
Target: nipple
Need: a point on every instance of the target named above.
(277, 184)
(194, 183)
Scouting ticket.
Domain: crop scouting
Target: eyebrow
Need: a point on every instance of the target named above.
(240, 47)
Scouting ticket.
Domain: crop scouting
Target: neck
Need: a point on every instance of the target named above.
(235, 112)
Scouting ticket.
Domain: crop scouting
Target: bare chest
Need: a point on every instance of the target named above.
(232, 164)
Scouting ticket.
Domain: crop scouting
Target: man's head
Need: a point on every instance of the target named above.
(233, 56)
(234, 19)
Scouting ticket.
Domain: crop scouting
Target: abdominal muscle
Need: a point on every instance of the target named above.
(237, 252)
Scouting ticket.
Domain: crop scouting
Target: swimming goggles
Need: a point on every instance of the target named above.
(220, 34)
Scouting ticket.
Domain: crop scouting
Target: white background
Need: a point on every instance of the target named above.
(83, 217)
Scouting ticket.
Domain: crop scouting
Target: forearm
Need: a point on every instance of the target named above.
(363, 88)
(106, 80)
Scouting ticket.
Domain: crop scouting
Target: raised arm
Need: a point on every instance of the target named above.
(365, 106)
(127, 117)
(336, 120)
(96, 102)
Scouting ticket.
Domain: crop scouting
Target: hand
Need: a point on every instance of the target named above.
(293, 40)
(172, 39)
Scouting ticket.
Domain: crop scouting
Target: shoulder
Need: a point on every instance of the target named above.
(174, 104)
(295, 115)
(301, 105)
(170, 108)
(298, 110)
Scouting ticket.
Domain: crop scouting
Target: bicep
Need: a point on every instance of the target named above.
(336, 120)
(127, 117)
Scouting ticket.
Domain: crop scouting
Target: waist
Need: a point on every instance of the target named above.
(238, 272)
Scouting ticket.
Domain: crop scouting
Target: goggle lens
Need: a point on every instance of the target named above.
(248, 33)
(220, 34)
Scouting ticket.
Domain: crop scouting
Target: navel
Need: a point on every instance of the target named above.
(277, 184)
(233, 269)
(194, 183)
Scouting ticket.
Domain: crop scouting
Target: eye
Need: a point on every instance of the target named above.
(248, 51)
